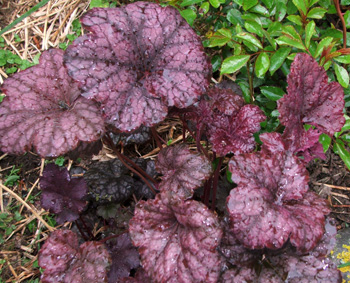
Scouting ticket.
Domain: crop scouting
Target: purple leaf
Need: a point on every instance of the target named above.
(271, 203)
(64, 261)
(124, 258)
(43, 109)
(183, 171)
(229, 123)
(138, 60)
(308, 268)
(177, 240)
(108, 182)
(310, 99)
(140, 277)
(61, 194)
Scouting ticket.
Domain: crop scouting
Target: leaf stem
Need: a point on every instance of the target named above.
(139, 172)
(156, 137)
(215, 182)
(337, 6)
(250, 81)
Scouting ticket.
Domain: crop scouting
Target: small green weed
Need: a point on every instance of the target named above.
(12, 178)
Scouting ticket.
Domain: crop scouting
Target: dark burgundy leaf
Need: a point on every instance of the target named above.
(177, 240)
(308, 268)
(228, 123)
(61, 194)
(310, 99)
(124, 258)
(64, 261)
(43, 109)
(139, 136)
(271, 203)
(108, 182)
(138, 60)
(183, 171)
(140, 277)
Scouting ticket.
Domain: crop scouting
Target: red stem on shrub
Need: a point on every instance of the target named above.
(215, 182)
(81, 232)
(337, 6)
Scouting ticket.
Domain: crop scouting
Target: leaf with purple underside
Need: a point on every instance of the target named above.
(271, 203)
(61, 194)
(138, 60)
(43, 109)
(64, 261)
(183, 171)
(227, 121)
(124, 258)
(177, 240)
(310, 99)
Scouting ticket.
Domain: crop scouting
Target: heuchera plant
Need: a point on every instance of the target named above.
(137, 61)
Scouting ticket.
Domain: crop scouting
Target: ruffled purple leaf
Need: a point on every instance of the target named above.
(43, 110)
(138, 60)
(124, 258)
(271, 203)
(310, 99)
(61, 194)
(183, 171)
(227, 121)
(64, 261)
(177, 240)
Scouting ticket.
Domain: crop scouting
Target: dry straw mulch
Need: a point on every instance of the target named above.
(43, 29)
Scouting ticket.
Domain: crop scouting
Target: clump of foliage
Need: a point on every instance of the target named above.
(137, 61)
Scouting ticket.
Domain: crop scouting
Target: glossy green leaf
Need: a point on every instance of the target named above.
(245, 91)
(345, 59)
(286, 40)
(295, 19)
(216, 62)
(312, 2)
(254, 27)
(347, 18)
(301, 5)
(290, 30)
(278, 58)
(342, 152)
(189, 15)
(205, 7)
(325, 140)
(270, 39)
(250, 38)
(261, 10)
(345, 2)
(342, 75)
(281, 10)
(272, 92)
(275, 29)
(189, 2)
(262, 64)
(234, 63)
(235, 17)
(316, 13)
(215, 3)
(309, 32)
(268, 3)
(323, 43)
(345, 128)
(247, 4)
